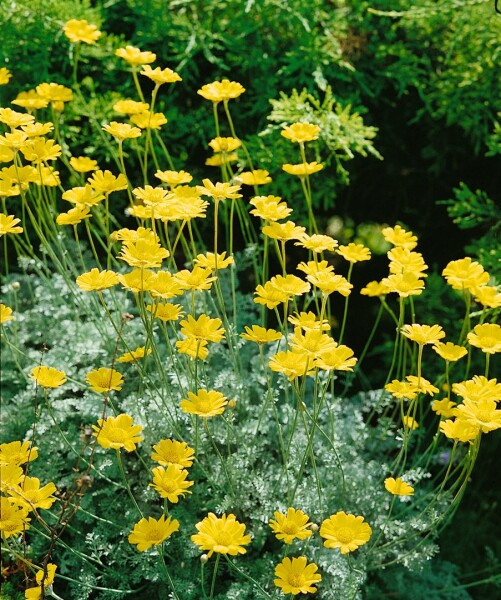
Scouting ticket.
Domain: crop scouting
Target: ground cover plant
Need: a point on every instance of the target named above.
(184, 418)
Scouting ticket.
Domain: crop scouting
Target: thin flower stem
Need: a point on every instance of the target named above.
(126, 483)
(214, 577)
(248, 577)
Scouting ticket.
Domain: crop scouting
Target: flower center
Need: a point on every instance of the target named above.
(344, 535)
(288, 527)
(296, 580)
(117, 435)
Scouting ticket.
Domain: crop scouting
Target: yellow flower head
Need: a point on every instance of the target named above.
(81, 31)
(284, 231)
(208, 261)
(130, 107)
(5, 314)
(410, 423)
(34, 130)
(204, 403)
(423, 334)
(203, 328)
(401, 389)
(165, 285)
(104, 380)
(292, 526)
(354, 252)
(374, 289)
(8, 224)
(12, 475)
(134, 355)
(449, 351)
(292, 364)
(74, 216)
(422, 385)
(30, 100)
(301, 132)
(221, 91)
(17, 453)
(223, 535)
(122, 131)
(459, 430)
(404, 284)
(83, 195)
(308, 320)
(260, 335)
(96, 280)
(54, 92)
(149, 120)
(5, 75)
(270, 208)
(150, 195)
(318, 243)
(220, 159)
(14, 119)
(339, 358)
(225, 144)
(152, 532)
(15, 140)
(48, 377)
(403, 260)
(195, 349)
(328, 283)
(487, 296)
(219, 191)
(478, 389)
(465, 274)
(83, 164)
(118, 432)
(258, 177)
(270, 295)
(443, 408)
(106, 182)
(135, 57)
(487, 337)
(296, 576)
(398, 487)
(344, 531)
(171, 452)
(398, 236)
(303, 169)
(13, 517)
(159, 75)
(174, 178)
(29, 494)
(198, 279)
(482, 414)
(143, 254)
(166, 311)
(170, 482)
(312, 342)
(39, 150)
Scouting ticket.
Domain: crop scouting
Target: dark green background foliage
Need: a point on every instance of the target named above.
(408, 98)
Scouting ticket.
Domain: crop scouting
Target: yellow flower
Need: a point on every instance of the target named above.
(5, 75)
(14, 119)
(219, 191)
(328, 283)
(410, 423)
(48, 377)
(160, 76)
(398, 487)
(193, 348)
(174, 177)
(15, 140)
(197, 279)
(149, 120)
(284, 231)
(401, 389)
(54, 92)
(5, 314)
(226, 144)
(339, 358)
(135, 57)
(315, 267)
(13, 518)
(104, 380)
(130, 107)
(30, 100)
(171, 482)
(269, 295)
(443, 408)
(403, 260)
(143, 254)
(223, 535)
(34, 130)
(482, 414)
(95, 280)
(303, 169)
(423, 334)
(221, 91)
(422, 385)
(354, 252)
(344, 531)
(45, 576)
(81, 31)
(152, 532)
(301, 132)
(217, 160)
(134, 355)
(270, 208)
(404, 284)
(258, 177)
(12, 475)
(29, 494)
(40, 150)
(294, 525)
(488, 296)
(208, 261)
(465, 274)
(487, 337)
(312, 342)
(83, 164)
(296, 576)
(122, 131)
(449, 351)
(478, 389)
(47, 176)
(171, 452)
(204, 403)
(292, 364)
(138, 280)
(260, 335)
(459, 430)
(83, 195)
(8, 224)
(74, 216)
(150, 195)
(398, 236)
(309, 320)
(318, 243)
(118, 432)
(17, 453)
(106, 182)
(203, 328)
(374, 289)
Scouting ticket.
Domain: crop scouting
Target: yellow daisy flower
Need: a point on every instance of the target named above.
(346, 532)
(117, 433)
(152, 532)
(223, 535)
(296, 576)
(291, 526)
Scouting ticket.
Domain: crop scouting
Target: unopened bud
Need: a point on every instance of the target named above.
(232, 403)
(204, 559)
(15, 285)
(314, 527)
